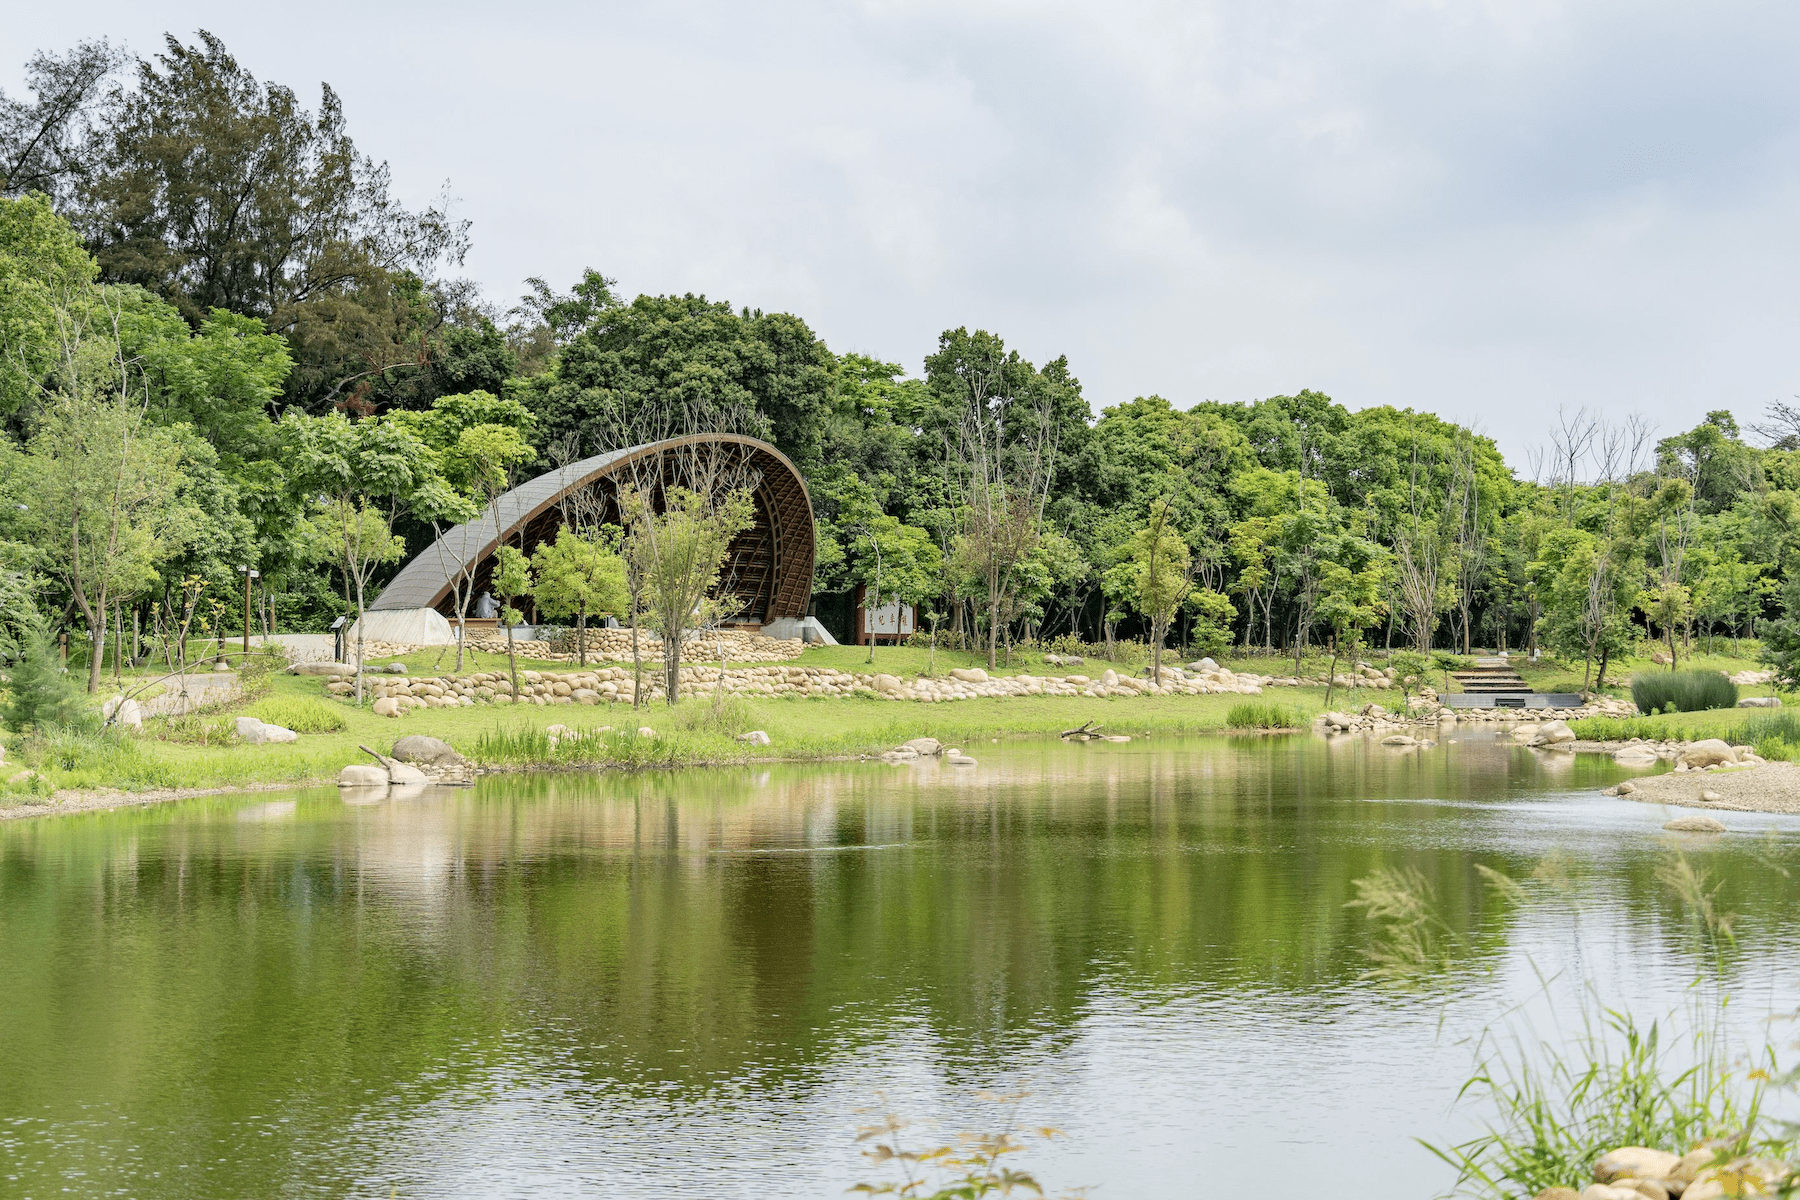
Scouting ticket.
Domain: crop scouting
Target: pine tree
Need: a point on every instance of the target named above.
(42, 694)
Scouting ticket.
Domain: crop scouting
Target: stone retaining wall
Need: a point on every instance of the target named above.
(604, 685)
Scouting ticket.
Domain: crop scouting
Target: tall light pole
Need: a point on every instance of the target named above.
(248, 573)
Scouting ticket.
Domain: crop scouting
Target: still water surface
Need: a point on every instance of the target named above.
(699, 984)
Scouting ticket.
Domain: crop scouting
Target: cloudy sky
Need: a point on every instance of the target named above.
(1484, 209)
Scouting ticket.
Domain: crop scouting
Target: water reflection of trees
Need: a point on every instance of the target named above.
(687, 928)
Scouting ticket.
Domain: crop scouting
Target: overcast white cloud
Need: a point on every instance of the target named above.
(1487, 210)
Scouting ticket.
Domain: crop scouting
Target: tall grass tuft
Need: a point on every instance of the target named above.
(595, 747)
(722, 714)
(1776, 735)
(1253, 714)
(302, 714)
(1619, 1085)
(84, 759)
(1682, 691)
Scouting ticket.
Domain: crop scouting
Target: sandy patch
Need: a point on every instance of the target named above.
(71, 801)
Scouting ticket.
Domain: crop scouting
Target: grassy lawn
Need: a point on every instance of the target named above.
(696, 731)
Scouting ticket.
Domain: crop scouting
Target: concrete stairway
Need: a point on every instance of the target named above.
(1491, 676)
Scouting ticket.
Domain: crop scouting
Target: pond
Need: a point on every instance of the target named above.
(701, 983)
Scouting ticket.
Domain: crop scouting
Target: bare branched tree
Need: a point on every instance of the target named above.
(1780, 426)
(1006, 455)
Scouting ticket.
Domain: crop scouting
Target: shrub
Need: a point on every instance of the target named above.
(729, 716)
(1682, 691)
(41, 694)
(1254, 714)
(256, 671)
(302, 714)
(191, 729)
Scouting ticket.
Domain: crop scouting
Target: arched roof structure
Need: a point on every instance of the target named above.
(769, 567)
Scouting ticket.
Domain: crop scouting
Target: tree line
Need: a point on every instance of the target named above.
(226, 345)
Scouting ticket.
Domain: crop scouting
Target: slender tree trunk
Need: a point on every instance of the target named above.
(1331, 678)
(512, 659)
(97, 637)
(361, 638)
(637, 661)
(581, 636)
(993, 621)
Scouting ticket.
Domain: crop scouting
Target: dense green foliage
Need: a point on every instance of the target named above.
(304, 391)
(1682, 691)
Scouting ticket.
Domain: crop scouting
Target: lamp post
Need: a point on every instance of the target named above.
(248, 573)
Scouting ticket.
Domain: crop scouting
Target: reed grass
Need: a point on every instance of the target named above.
(1261, 715)
(1682, 691)
(1556, 1107)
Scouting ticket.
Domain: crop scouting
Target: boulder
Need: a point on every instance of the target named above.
(646, 731)
(243, 726)
(1634, 756)
(901, 754)
(123, 712)
(755, 737)
(331, 668)
(1205, 664)
(394, 668)
(387, 706)
(969, 674)
(417, 748)
(1695, 825)
(1635, 1162)
(1710, 752)
(1338, 720)
(131, 715)
(887, 684)
(1710, 797)
(1553, 733)
(1558, 1193)
(926, 747)
(1625, 789)
(959, 760)
(1760, 702)
(1398, 739)
(1109, 678)
(360, 775)
(581, 696)
(265, 734)
(403, 773)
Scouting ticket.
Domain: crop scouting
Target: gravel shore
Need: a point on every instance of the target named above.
(1772, 787)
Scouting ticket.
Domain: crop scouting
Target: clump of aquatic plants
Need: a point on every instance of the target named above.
(598, 746)
(971, 1167)
(1558, 1106)
(1253, 714)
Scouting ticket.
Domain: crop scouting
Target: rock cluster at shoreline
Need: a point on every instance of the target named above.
(1703, 1173)
(396, 694)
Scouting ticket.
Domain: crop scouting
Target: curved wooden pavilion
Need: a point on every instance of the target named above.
(769, 567)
